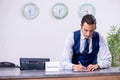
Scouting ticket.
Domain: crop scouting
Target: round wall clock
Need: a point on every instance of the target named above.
(87, 9)
(60, 10)
(30, 11)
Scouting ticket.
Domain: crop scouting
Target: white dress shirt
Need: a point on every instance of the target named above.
(104, 58)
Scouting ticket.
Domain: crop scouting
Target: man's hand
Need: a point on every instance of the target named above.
(92, 67)
(78, 67)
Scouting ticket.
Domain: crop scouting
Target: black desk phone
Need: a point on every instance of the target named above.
(7, 64)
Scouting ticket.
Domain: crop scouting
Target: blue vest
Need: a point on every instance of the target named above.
(85, 59)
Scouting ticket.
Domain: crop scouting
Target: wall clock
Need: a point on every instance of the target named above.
(30, 11)
(60, 10)
(87, 9)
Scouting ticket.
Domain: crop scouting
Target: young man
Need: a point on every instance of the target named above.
(86, 49)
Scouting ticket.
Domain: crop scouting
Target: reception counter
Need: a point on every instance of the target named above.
(102, 74)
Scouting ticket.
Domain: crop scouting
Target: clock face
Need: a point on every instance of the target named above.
(60, 10)
(30, 11)
(87, 9)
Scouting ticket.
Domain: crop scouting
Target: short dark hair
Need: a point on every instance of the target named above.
(89, 19)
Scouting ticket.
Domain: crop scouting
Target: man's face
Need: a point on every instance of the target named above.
(88, 29)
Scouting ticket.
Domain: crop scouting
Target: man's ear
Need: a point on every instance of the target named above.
(81, 25)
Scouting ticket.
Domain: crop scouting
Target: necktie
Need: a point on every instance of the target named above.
(86, 48)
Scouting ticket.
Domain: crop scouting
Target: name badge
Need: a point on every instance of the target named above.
(52, 66)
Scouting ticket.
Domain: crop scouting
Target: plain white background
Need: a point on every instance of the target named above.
(43, 37)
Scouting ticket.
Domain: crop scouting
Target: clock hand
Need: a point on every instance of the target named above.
(60, 11)
(86, 11)
(30, 12)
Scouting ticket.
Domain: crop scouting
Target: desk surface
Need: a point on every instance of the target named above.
(11, 73)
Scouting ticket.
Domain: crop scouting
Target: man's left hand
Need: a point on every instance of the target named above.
(92, 67)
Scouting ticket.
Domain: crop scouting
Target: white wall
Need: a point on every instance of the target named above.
(44, 36)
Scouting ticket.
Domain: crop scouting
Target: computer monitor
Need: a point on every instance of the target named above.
(33, 63)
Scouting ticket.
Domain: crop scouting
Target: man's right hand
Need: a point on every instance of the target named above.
(78, 67)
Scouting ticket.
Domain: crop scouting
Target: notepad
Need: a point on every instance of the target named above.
(81, 71)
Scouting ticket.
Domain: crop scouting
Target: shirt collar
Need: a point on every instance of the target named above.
(82, 37)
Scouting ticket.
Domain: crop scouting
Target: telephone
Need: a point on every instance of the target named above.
(7, 64)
